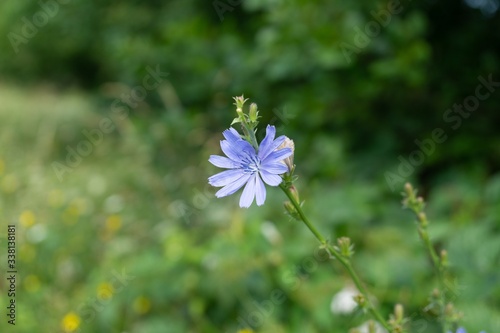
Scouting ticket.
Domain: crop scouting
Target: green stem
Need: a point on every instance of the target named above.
(249, 133)
(424, 235)
(344, 261)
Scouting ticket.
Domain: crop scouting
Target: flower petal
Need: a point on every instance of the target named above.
(237, 150)
(276, 168)
(248, 194)
(225, 177)
(233, 187)
(278, 141)
(232, 135)
(228, 149)
(265, 145)
(260, 191)
(223, 162)
(271, 147)
(278, 155)
(270, 179)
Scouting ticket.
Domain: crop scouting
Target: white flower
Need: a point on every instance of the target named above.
(364, 328)
(343, 302)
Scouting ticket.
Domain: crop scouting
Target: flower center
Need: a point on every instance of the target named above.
(251, 164)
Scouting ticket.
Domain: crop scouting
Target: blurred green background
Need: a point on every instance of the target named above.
(103, 165)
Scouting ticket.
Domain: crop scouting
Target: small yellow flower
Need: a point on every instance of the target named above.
(32, 283)
(70, 322)
(245, 330)
(113, 223)
(142, 305)
(27, 218)
(105, 291)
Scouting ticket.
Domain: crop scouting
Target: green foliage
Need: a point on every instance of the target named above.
(140, 202)
(140, 206)
(394, 89)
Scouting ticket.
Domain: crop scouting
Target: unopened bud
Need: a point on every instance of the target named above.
(239, 102)
(408, 189)
(288, 143)
(449, 310)
(295, 193)
(344, 247)
(291, 210)
(289, 206)
(360, 300)
(444, 257)
(422, 218)
(253, 113)
(399, 313)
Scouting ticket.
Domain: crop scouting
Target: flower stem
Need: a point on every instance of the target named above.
(424, 236)
(249, 133)
(344, 261)
(417, 204)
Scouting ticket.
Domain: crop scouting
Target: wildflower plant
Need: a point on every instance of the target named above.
(271, 162)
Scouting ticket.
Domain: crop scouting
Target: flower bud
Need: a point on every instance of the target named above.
(444, 258)
(399, 313)
(290, 209)
(344, 247)
(288, 143)
(408, 189)
(422, 218)
(449, 310)
(295, 193)
(420, 204)
(239, 102)
(360, 300)
(253, 114)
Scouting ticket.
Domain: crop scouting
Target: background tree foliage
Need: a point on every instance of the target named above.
(198, 263)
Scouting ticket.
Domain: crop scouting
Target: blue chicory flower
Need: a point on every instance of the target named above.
(247, 166)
